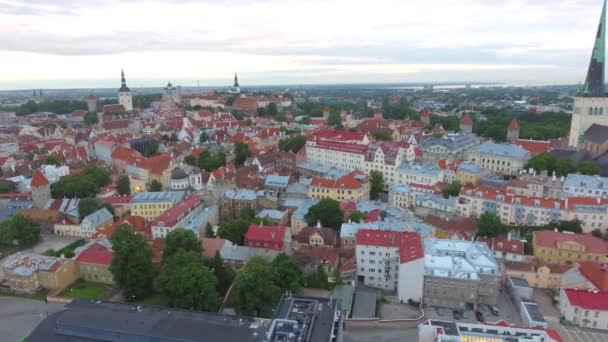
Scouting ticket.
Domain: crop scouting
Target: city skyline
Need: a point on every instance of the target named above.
(57, 44)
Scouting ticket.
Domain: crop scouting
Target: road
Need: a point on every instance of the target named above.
(19, 316)
(381, 335)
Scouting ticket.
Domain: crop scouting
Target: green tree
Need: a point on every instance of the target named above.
(542, 161)
(188, 284)
(151, 149)
(156, 186)
(80, 185)
(588, 167)
(318, 279)
(452, 189)
(181, 239)
(356, 216)
(90, 119)
(255, 293)
(210, 162)
(19, 231)
(272, 109)
(597, 233)
(575, 226)
(203, 137)
(241, 153)
(123, 185)
(132, 266)
(490, 225)
(382, 136)
(234, 231)
(247, 213)
(293, 144)
(334, 119)
(190, 160)
(565, 166)
(209, 231)
(327, 211)
(87, 206)
(224, 275)
(51, 160)
(287, 273)
(377, 183)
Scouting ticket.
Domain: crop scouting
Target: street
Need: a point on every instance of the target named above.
(19, 316)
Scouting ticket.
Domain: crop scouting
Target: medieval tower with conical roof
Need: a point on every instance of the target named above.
(124, 93)
(41, 189)
(591, 103)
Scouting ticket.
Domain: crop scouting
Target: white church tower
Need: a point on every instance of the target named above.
(124, 94)
(591, 104)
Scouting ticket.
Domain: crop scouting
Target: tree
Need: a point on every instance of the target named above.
(588, 167)
(272, 109)
(51, 160)
(356, 216)
(255, 293)
(288, 275)
(123, 185)
(382, 136)
(209, 231)
(132, 266)
(293, 144)
(318, 279)
(19, 231)
(224, 275)
(203, 137)
(377, 183)
(241, 153)
(234, 231)
(597, 233)
(156, 186)
(85, 184)
(181, 239)
(87, 206)
(327, 211)
(210, 162)
(188, 284)
(190, 160)
(575, 226)
(542, 161)
(247, 213)
(452, 189)
(490, 225)
(565, 166)
(334, 119)
(151, 149)
(90, 119)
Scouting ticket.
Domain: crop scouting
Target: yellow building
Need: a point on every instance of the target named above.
(352, 187)
(151, 205)
(537, 273)
(470, 173)
(28, 273)
(94, 262)
(567, 248)
(400, 195)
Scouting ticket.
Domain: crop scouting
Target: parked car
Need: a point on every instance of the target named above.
(479, 316)
(456, 314)
(493, 310)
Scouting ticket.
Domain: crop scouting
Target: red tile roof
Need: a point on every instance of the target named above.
(38, 179)
(211, 246)
(501, 244)
(549, 238)
(273, 235)
(372, 216)
(466, 120)
(347, 182)
(96, 254)
(596, 273)
(124, 154)
(588, 299)
(174, 214)
(409, 243)
(514, 124)
(533, 146)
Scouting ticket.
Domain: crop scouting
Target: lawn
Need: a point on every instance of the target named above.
(87, 290)
(155, 300)
(36, 296)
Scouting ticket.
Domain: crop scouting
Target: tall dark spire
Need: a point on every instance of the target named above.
(236, 80)
(123, 82)
(594, 84)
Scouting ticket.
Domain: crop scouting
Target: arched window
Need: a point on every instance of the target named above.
(590, 111)
(595, 111)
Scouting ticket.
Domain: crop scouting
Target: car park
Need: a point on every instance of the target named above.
(456, 314)
(479, 316)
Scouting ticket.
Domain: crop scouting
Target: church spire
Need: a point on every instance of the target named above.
(123, 82)
(236, 80)
(594, 84)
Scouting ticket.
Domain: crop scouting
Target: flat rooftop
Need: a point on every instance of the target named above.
(304, 319)
(158, 197)
(519, 282)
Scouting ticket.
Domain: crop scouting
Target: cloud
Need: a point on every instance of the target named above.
(293, 36)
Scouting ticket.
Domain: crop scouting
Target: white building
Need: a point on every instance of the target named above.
(124, 94)
(180, 215)
(585, 308)
(503, 159)
(182, 180)
(392, 261)
(54, 173)
(413, 172)
(400, 196)
(585, 186)
(448, 331)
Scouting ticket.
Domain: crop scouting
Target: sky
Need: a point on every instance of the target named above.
(85, 43)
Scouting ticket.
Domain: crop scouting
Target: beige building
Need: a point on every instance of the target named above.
(233, 200)
(503, 159)
(67, 228)
(401, 196)
(94, 262)
(29, 273)
(151, 205)
(469, 173)
(537, 273)
(567, 248)
(352, 187)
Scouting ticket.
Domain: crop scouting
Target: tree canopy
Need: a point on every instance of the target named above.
(377, 183)
(87, 206)
(85, 184)
(156, 186)
(293, 144)
(287, 273)
(241, 153)
(490, 225)
(181, 239)
(327, 211)
(51, 160)
(561, 166)
(382, 136)
(209, 162)
(255, 292)
(19, 231)
(123, 185)
(132, 266)
(356, 216)
(452, 189)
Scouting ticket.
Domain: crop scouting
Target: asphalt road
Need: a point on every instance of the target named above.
(19, 316)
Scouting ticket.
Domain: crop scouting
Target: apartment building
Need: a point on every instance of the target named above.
(352, 187)
(460, 274)
(504, 159)
(537, 185)
(450, 147)
(470, 173)
(97, 220)
(400, 195)
(268, 241)
(567, 248)
(414, 172)
(584, 308)
(393, 261)
(178, 216)
(585, 186)
(151, 205)
(93, 261)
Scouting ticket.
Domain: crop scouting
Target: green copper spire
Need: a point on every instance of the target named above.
(594, 84)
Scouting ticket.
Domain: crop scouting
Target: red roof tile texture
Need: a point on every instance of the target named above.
(548, 238)
(588, 299)
(96, 254)
(39, 179)
(409, 243)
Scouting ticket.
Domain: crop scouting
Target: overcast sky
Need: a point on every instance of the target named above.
(84, 43)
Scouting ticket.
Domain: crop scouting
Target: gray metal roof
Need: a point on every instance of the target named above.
(158, 197)
(99, 217)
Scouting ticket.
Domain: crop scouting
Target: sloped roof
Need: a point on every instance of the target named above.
(409, 243)
(96, 254)
(588, 299)
(549, 238)
(38, 179)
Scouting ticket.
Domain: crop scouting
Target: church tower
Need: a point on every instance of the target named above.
(591, 103)
(41, 189)
(124, 93)
(513, 130)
